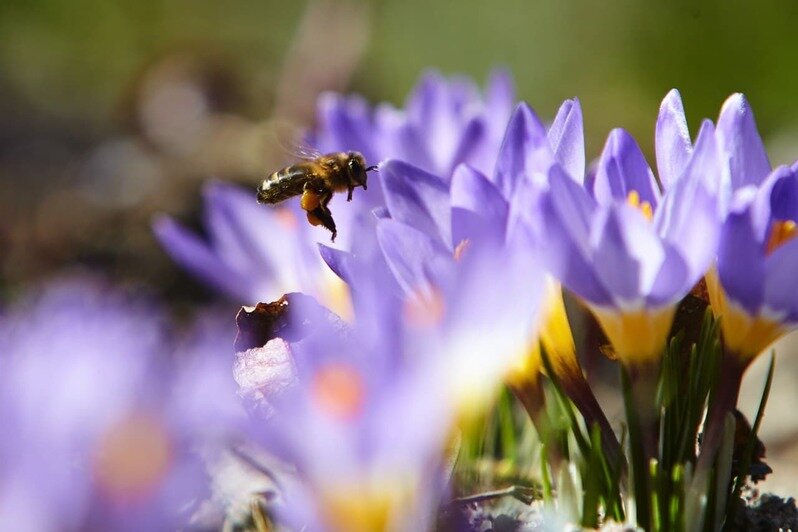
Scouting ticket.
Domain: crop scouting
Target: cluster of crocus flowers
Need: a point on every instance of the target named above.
(456, 264)
(102, 430)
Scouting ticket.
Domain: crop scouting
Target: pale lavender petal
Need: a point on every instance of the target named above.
(472, 192)
(338, 261)
(417, 261)
(197, 258)
(673, 281)
(567, 138)
(344, 124)
(740, 141)
(525, 151)
(417, 198)
(412, 147)
(568, 213)
(574, 206)
(471, 143)
(623, 169)
(499, 99)
(627, 253)
(688, 216)
(741, 262)
(780, 270)
(672, 139)
(784, 194)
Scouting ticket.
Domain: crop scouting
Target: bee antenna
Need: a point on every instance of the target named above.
(375, 168)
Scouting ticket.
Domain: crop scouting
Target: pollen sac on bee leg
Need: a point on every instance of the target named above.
(309, 201)
(313, 219)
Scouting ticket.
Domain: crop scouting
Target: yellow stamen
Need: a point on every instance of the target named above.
(338, 390)
(132, 457)
(639, 336)
(633, 199)
(781, 232)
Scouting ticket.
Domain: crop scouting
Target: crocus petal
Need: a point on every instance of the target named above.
(567, 138)
(525, 150)
(741, 143)
(673, 281)
(471, 141)
(475, 199)
(500, 96)
(623, 169)
(784, 194)
(411, 146)
(672, 139)
(574, 206)
(417, 261)
(417, 198)
(338, 261)
(687, 218)
(197, 258)
(741, 264)
(568, 212)
(628, 254)
(345, 124)
(780, 269)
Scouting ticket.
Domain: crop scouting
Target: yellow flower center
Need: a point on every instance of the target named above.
(132, 457)
(637, 337)
(644, 207)
(556, 337)
(781, 232)
(339, 391)
(336, 295)
(744, 335)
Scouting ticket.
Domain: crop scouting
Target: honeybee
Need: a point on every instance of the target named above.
(317, 179)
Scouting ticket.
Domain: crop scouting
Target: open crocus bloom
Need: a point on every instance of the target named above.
(757, 261)
(628, 251)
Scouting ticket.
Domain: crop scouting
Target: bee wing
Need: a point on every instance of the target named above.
(304, 151)
(291, 141)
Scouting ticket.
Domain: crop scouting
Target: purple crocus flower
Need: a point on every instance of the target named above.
(251, 253)
(254, 253)
(93, 438)
(743, 160)
(756, 264)
(757, 204)
(365, 418)
(629, 251)
(444, 123)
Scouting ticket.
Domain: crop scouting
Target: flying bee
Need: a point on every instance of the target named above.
(316, 180)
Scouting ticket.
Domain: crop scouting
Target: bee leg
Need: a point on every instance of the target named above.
(322, 216)
(349, 194)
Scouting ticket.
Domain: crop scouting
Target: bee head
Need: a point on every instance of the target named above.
(358, 172)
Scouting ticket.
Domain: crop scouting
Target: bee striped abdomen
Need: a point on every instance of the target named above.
(284, 184)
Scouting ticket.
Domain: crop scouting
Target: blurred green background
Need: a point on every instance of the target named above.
(111, 111)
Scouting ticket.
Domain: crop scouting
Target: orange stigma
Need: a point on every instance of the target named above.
(644, 207)
(461, 248)
(338, 389)
(781, 232)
